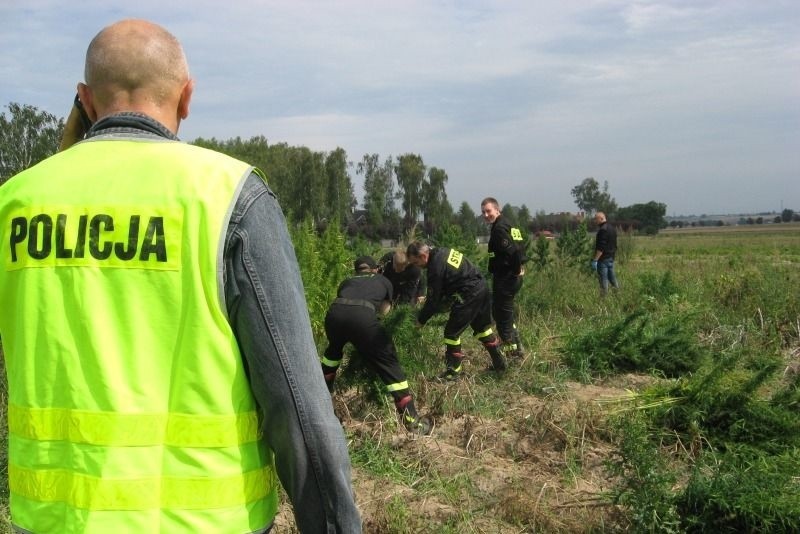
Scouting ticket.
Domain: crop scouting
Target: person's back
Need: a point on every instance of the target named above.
(454, 279)
(373, 288)
(132, 361)
(506, 249)
(137, 397)
(353, 318)
(449, 275)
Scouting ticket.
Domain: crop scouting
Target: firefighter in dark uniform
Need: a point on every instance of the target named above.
(506, 265)
(451, 277)
(353, 318)
(408, 284)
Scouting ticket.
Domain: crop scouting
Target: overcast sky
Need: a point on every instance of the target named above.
(693, 103)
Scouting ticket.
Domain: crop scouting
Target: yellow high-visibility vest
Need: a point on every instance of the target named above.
(129, 409)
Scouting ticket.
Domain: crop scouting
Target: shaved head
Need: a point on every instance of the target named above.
(135, 65)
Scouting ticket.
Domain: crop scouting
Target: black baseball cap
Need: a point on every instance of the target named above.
(363, 263)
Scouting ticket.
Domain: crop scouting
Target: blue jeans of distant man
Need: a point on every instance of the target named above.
(606, 275)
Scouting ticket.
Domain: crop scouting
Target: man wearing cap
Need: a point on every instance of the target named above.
(353, 318)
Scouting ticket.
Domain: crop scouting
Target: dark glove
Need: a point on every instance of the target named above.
(594, 265)
(329, 380)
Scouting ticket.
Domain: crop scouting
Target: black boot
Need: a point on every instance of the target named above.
(518, 352)
(411, 419)
(498, 362)
(452, 362)
(421, 426)
(511, 351)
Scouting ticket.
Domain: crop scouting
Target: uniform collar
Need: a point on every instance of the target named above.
(130, 122)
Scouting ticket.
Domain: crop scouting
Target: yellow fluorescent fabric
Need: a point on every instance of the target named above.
(330, 363)
(485, 333)
(454, 258)
(92, 493)
(398, 386)
(127, 390)
(133, 430)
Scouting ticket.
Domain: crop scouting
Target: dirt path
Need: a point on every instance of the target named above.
(537, 468)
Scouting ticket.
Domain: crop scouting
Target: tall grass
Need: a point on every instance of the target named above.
(707, 439)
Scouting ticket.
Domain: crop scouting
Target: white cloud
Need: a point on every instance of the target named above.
(641, 17)
(536, 95)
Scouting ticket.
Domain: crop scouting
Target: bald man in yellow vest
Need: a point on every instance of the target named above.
(161, 367)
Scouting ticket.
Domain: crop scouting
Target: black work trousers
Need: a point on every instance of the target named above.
(504, 289)
(360, 326)
(472, 310)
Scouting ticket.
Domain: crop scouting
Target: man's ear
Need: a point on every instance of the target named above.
(87, 101)
(185, 99)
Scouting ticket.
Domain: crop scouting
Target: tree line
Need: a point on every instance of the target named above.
(400, 193)
(787, 215)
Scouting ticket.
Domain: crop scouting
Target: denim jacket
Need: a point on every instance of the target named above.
(268, 313)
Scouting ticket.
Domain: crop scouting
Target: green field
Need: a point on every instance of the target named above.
(726, 241)
(672, 405)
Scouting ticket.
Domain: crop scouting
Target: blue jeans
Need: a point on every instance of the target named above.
(606, 275)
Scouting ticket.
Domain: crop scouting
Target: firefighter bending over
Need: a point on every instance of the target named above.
(453, 278)
(353, 318)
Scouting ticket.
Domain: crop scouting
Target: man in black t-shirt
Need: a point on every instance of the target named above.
(605, 247)
(353, 318)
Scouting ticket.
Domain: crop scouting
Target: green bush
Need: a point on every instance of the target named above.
(574, 246)
(635, 342)
(742, 490)
(738, 421)
(658, 287)
(325, 260)
(645, 479)
(626, 246)
(540, 256)
(726, 403)
(452, 236)
(739, 287)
